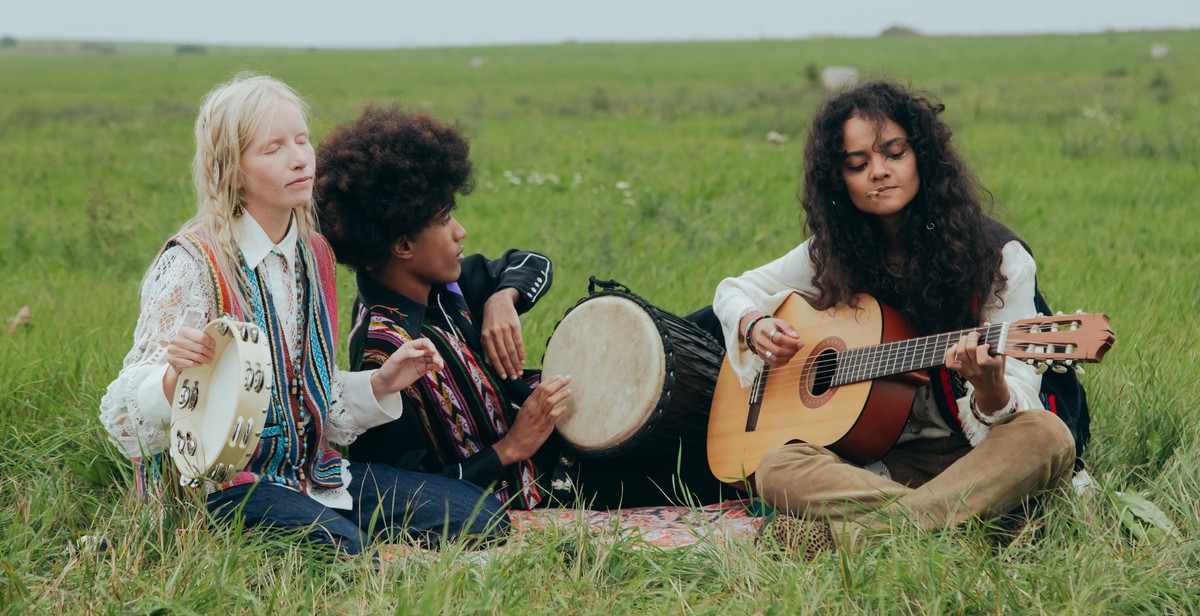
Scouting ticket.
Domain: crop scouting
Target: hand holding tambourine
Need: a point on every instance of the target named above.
(220, 405)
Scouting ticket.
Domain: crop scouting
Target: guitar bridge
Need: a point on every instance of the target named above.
(755, 400)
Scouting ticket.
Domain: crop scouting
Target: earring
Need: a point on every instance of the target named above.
(237, 209)
(930, 226)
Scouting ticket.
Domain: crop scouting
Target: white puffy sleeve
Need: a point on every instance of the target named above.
(134, 409)
(1014, 304)
(765, 289)
(355, 409)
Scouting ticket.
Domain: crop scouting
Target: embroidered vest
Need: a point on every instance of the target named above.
(281, 448)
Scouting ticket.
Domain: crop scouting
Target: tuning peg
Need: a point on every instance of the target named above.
(1031, 361)
(1041, 368)
(1078, 368)
(1078, 312)
(1059, 368)
(1059, 313)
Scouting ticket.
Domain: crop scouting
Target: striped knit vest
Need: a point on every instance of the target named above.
(280, 448)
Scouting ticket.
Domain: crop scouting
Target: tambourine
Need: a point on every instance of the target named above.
(220, 407)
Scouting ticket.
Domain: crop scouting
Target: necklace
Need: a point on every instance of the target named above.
(295, 387)
(294, 383)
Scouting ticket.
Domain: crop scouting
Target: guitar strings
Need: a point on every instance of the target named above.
(897, 352)
(865, 360)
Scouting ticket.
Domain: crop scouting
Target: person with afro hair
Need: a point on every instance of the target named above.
(386, 190)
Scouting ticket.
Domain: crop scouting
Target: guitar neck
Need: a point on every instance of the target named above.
(891, 358)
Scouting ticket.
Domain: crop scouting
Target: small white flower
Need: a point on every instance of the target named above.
(623, 185)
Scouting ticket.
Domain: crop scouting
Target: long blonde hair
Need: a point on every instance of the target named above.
(229, 116)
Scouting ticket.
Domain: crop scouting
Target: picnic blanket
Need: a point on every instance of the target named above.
(660, 527)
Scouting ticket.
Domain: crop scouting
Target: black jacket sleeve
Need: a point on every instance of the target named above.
(529, 273)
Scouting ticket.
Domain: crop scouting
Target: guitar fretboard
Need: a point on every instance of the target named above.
(872, 362)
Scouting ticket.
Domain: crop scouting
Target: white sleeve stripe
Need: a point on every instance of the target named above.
(538, 289)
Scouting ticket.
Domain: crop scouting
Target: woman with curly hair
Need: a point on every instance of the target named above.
(892, 211)
(251, 252)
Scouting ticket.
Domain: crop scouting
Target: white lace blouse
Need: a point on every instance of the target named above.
(134, 409)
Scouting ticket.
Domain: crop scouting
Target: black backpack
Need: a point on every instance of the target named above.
(1063, 395)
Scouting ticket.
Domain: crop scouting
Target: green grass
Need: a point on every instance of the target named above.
(1088, 146)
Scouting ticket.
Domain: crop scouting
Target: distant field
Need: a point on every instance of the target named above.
(1088, 145)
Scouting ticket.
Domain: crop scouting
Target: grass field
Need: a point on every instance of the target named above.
(1088, 145)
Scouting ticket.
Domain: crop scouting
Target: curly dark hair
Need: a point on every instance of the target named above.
(952, 264)
(386, 176)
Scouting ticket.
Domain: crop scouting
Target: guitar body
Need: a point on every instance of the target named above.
(858, 421)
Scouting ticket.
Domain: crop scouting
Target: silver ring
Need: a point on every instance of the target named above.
(772, 336)
(768, 355)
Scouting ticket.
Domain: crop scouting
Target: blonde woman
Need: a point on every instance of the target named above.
(251, 251)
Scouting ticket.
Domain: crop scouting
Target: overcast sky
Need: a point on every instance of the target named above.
(403, 23)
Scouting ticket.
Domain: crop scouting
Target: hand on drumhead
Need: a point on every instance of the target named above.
(189, 348)
(535, 421)
(776, 341)
(501, 334)
(410, 362)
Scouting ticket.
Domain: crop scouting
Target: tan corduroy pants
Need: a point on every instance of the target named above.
(935, 482)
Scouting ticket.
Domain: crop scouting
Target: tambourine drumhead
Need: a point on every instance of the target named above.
(219, 408)
(614, 353)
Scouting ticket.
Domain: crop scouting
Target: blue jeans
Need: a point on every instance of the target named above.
(387, 502)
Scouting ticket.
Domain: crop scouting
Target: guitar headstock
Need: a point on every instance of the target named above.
(1060, 341)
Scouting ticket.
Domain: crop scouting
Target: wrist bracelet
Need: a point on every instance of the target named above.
(750, 330)
(986, 420)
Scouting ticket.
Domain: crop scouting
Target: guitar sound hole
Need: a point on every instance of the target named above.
(826, 366)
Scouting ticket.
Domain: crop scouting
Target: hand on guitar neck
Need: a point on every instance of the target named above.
(979, 363)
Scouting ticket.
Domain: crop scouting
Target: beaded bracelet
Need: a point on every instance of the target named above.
(1008, 409)
(750, 330)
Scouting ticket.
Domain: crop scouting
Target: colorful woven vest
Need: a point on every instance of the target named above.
(279, 452)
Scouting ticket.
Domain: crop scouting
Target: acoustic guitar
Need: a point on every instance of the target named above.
(851, 386)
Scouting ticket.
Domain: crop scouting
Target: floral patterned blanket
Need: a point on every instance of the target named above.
(660, 527)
